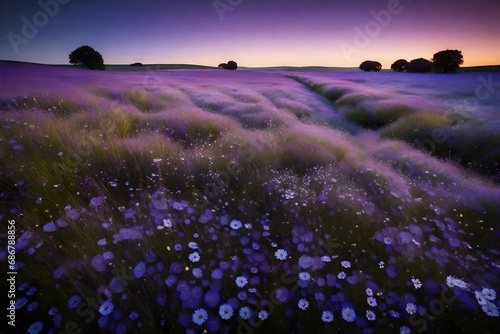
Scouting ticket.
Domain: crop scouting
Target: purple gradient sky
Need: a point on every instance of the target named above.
(254, 32)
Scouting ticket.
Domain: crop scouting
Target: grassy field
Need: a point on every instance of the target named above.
(216, 201)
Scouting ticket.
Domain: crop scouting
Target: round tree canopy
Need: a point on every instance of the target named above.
(448, 60)
(87, 56)
(399, 65)
(419, 65)
(370, 65)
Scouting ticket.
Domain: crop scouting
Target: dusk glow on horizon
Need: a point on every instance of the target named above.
(253, 33)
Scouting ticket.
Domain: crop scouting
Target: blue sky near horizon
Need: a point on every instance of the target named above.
(253, 33)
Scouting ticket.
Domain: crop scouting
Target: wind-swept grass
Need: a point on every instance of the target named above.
(140, 209)
(196, 127)
(300, 110)
(446, 136)
(304, 148)
(55, 104)
(366, 108)
(375, 116)
(332, 93)
(144, 101)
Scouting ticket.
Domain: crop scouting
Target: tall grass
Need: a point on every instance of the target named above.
(51, 103)
(144, 101)
(375, 116)
(112, 200)
(446, 136)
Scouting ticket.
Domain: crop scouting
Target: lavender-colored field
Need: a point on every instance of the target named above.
(194, 201)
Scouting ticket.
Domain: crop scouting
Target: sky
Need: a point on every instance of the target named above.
(336, 33)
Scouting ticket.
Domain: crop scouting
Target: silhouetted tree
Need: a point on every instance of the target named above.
(448, 60)
(137, 64)
(370, 65)
(419, 65)
(85, 55)
(231, 65)
(399, 65)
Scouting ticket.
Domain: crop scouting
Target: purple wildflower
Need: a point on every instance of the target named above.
(49, 227)
(98, 263)
(212, 298)
(140, 270)
(35, 327)
(106, 308)
(74, 301)
(282, 294)
(161, 298)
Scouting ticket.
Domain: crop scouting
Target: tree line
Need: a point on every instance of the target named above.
(443, 61)
(89, 57)
(446, 61)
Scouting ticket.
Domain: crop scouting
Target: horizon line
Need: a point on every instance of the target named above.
(239, 66)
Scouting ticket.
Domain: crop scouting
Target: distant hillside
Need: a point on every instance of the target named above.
(158, 67)
(301, 68)
(125, 68)
(490, 68)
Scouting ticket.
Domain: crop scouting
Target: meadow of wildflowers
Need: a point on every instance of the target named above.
(249, 202)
